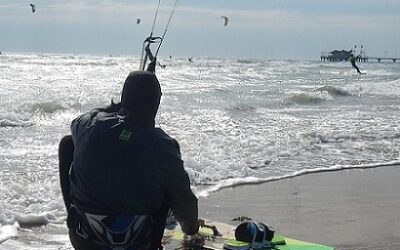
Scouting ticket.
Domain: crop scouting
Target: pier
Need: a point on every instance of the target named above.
(379, 59)
(361, 59)
(337, 56)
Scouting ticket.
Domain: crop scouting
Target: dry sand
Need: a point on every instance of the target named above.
(352, 209)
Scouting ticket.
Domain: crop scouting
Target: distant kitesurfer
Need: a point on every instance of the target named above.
(190, 59)
(138, 21)
(161, 65)
(33, 7)
(352, 60)
(120, 175)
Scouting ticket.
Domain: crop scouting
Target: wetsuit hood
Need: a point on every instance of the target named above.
(141, 96)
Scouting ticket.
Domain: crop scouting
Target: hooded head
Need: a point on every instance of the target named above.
(141, 96)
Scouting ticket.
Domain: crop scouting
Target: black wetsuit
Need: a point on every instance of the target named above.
(353, 63)
(119, 170)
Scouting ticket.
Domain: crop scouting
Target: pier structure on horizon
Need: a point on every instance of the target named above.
(343, 55)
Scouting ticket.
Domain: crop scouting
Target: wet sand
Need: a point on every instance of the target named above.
(351, 209)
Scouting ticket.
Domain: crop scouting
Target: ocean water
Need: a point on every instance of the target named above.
(237, 121)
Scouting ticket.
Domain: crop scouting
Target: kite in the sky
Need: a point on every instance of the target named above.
(138, 21)
(33, 7)
(225, 20)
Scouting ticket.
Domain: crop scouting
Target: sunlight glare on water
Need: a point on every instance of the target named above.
(234, 119)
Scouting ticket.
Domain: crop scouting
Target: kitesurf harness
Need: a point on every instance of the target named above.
(146, 52)
(113, 231)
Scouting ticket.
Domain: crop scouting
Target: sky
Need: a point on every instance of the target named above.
(270, 29)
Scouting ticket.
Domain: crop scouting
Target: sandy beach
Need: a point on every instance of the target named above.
(352, 209)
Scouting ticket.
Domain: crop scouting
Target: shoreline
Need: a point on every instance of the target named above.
(348, 209)
(236, 182)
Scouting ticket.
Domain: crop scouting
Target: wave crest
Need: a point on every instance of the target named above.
(8, 231)
(14, 120)
(334, 91)
(310, 98)
(47, 107)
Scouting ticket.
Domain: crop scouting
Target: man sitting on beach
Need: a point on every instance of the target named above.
(120, 175)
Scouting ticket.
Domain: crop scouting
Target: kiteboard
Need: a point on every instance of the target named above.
(219, 236)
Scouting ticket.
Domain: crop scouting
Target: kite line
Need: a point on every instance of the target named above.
(146, 52)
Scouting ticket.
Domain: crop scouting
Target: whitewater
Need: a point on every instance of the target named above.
(237, 121)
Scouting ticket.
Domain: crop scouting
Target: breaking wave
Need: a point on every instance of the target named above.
(14, 120)
(310, 98)
(251, 180)
(334, 91)
(47, 107)
(322, 94)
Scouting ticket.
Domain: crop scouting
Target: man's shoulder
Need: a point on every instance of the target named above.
(94, 120)
(161, 134)
(97, 115)
(165, 139)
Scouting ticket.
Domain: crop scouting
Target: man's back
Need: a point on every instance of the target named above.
(117, 167)
(125, 173)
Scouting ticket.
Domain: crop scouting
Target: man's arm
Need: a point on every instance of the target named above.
(65, 157)
(182, 200)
